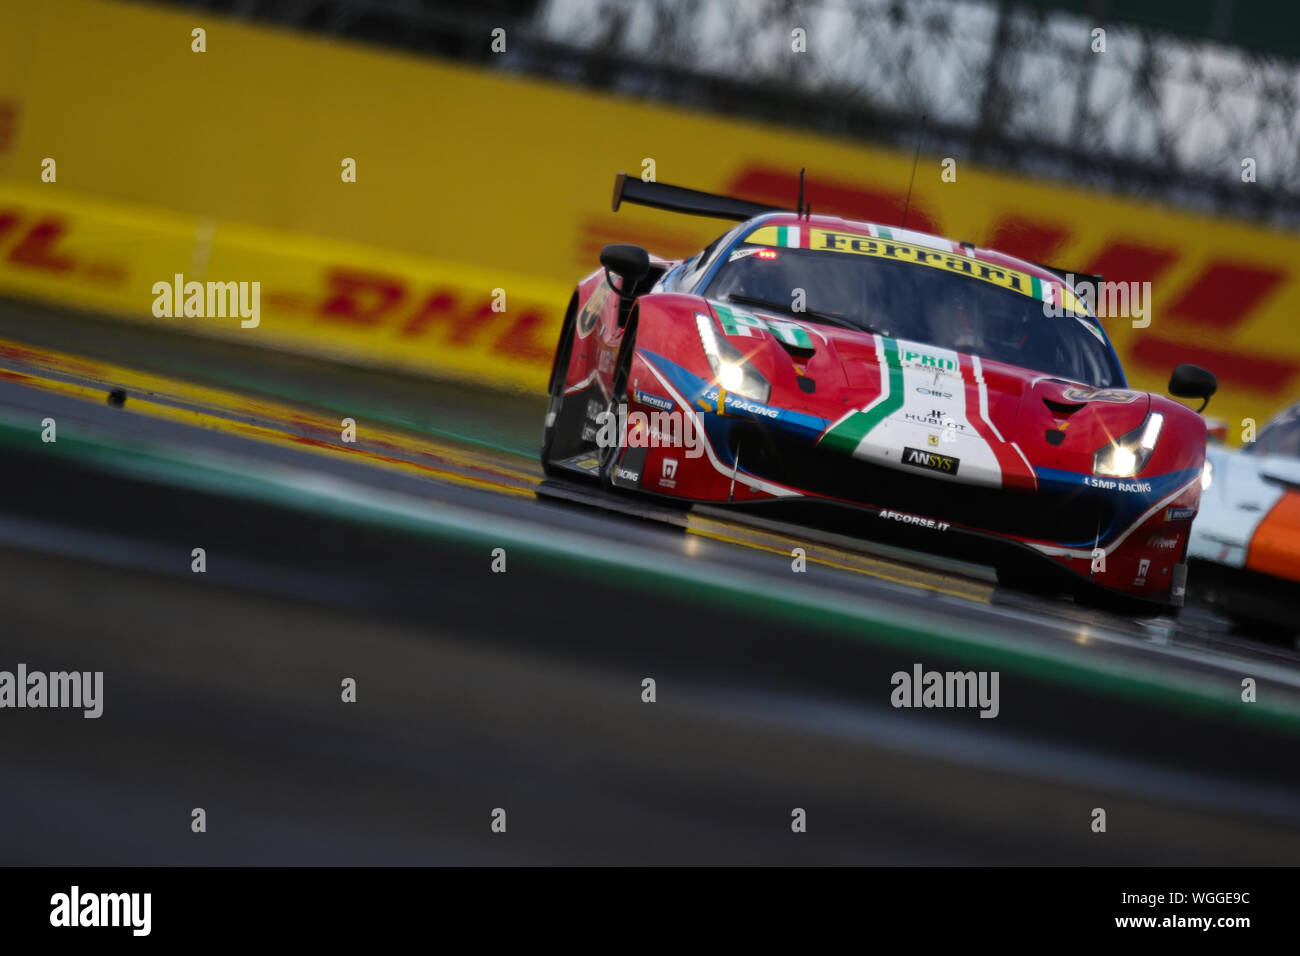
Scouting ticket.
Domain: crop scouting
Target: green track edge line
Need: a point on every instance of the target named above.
(918, 630)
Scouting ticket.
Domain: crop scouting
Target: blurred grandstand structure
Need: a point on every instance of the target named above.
(484, 170)
(1182, 95)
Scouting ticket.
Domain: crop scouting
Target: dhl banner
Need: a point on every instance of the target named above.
(313, 296)
(229, 163)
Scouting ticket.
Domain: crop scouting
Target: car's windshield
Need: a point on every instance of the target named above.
(922, 304)
(1282, 437)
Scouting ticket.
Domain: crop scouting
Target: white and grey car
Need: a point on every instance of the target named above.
(1245, 544)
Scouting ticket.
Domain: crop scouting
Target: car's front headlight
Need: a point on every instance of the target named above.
(730, 370)
(1207, 476)
(1127, 455)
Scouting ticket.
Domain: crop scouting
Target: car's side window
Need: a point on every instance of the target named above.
(1279, 438)
(683, 276)
(692, 268)
(668, 282)
(697, 267)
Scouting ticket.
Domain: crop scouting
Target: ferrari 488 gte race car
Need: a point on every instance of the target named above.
(1245, 547)
(881, 383)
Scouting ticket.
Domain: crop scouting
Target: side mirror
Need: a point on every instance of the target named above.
(1192, 381)
(630, 262)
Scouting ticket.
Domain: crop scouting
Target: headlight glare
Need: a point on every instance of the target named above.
(1128, 454)
(731, 376)
(1119, 463)
(730, 370)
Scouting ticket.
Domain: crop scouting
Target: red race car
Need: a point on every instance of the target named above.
(883, 383)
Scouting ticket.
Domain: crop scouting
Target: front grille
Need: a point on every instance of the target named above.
(1073, 516)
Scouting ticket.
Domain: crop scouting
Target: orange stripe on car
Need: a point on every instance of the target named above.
(1275, 546)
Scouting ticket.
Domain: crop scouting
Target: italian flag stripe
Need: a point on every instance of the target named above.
(787, 236)
(728, 321)
(848, 434)
(791, 334)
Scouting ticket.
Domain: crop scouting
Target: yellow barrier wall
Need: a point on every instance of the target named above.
(226, 164)
(317, 296)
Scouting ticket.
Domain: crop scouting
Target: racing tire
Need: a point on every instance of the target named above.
(1021, 575)
(555, 390)
(1096, 598)
(609, 456)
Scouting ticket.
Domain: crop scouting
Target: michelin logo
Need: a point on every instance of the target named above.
(654, 401)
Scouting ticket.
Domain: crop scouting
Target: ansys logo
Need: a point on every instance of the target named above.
(931, 460)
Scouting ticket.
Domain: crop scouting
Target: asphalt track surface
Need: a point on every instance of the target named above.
(523, 690)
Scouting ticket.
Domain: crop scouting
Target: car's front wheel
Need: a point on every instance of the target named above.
(556, 422)
(610, 453)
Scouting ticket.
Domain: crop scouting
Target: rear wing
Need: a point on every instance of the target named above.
(690, 201)
(698, 203)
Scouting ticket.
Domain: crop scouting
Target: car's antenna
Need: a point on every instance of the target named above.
(801, 171)
(915, 157)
